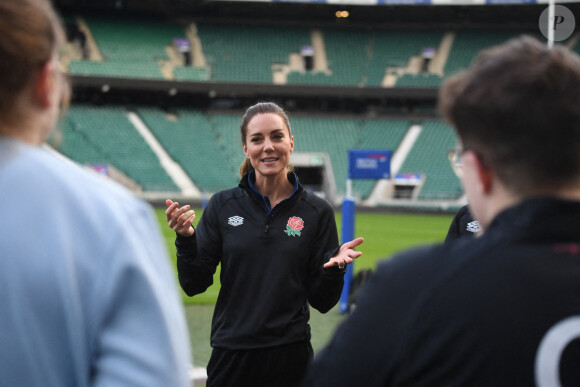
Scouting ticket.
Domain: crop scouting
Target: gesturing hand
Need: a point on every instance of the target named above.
(181, 219)
(345, 254)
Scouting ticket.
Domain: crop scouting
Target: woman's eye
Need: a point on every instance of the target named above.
(255, 139)
(278, 137)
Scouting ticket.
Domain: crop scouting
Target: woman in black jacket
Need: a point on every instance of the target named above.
(278, 249)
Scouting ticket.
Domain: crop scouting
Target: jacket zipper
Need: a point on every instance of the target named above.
(268, 215)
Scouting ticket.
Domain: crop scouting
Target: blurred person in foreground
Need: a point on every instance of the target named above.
(88, 297)
(502, 309)
(278, 248)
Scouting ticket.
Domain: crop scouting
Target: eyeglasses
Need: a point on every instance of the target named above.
(455, 157)
(458, 155)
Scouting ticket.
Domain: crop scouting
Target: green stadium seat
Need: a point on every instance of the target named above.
(193, 143)
(105, 135)
(131, 48)
(429, 157)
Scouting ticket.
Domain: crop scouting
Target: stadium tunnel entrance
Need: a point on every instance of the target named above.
(315, 173)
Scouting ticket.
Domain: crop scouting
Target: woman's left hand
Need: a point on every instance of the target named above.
(346, 254)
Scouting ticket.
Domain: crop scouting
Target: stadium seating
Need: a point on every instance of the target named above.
(130, 48)
(378, 134)
(419, 80)
(243, 53)
(191, 74)
(105, 136)
(347, 53)
(468, 43)
(429, 157)
(333, 136)
(208, 147)
(247, 53)
(188, 137)
(395, 48)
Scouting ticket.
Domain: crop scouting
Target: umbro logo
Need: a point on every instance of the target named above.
(473, 226)
(235, 220)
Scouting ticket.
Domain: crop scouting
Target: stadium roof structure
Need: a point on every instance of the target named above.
(396, 14)
(361, 12)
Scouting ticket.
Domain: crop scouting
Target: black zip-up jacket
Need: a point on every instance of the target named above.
(499, 310)
(271, 265)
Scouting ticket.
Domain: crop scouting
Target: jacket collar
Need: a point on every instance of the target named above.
(539, 218)
(248, 183)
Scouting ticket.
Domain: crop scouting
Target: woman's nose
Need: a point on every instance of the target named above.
(268, 145)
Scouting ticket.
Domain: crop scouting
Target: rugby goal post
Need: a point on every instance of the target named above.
(362, 164)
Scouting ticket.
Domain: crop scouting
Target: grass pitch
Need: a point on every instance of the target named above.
(384, 233)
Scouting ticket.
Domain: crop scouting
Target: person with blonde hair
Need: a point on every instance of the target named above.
(279, 252)
(88, 297)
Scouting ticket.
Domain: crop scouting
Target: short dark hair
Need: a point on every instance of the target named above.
(518, 107)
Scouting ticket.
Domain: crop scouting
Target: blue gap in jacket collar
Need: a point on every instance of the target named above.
(264, 200)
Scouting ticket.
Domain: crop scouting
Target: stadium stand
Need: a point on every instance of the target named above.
(191, 74)
(429, 157)
(204, 139)
(347, 55)
(394, 50)
(334, 136)
(105, 136)
(246, 53)
(227, 127)
(468, 43)
(378, 134)
(130, 48)
(207, 145)
(193, 143)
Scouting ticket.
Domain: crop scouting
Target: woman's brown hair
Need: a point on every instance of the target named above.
(251, 112)
(30, 36)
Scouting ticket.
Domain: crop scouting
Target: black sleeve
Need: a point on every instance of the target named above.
(455, 227)
(367, 347)
(357, 354)
(325, 284)
(199, 254)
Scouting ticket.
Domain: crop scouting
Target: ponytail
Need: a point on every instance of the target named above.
(246, 167)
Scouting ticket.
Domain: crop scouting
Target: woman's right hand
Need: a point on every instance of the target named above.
(181, 219)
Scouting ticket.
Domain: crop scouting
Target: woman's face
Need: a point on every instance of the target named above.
(268, 144)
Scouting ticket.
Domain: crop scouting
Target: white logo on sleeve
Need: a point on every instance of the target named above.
(235, 220)
(473, 226)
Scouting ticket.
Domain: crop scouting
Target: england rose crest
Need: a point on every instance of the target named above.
(294, 226)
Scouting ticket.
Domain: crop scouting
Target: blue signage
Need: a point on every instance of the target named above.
(369, 164)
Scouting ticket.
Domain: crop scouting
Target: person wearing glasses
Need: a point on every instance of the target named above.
(502, 309)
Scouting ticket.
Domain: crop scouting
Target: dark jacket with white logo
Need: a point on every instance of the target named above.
(462, 225)
(499, 310)
(271, 265)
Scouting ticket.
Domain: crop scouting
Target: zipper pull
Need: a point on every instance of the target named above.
(267, 227)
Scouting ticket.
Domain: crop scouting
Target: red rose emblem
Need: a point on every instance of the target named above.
(294, 226)
(296, 223)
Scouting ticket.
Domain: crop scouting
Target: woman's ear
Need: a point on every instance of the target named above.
(44, 84)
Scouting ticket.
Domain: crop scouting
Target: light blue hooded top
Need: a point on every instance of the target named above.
(87, 295)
